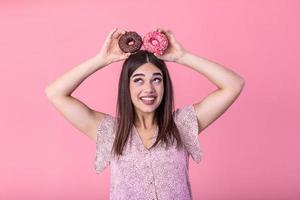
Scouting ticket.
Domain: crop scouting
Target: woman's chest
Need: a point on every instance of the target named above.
(136, 157)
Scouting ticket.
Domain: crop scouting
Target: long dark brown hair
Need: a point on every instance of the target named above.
(167, 129)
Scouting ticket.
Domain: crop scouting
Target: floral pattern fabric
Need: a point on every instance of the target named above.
(143, 174)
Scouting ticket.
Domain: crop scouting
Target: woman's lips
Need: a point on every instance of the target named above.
(148, 100)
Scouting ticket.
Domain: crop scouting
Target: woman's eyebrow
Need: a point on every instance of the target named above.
(157, 73)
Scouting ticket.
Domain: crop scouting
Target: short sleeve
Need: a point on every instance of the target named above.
(104, 142)
(187, 123)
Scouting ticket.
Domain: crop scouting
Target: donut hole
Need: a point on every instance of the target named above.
(130, 42)
(153, 41)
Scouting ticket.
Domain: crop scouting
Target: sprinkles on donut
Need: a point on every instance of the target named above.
(155, 42)
(130, 42)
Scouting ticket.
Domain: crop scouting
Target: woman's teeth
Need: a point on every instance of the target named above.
(148, 100)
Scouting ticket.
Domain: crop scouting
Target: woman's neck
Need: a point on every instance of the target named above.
(145, 121)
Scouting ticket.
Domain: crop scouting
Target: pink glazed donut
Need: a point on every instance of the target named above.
(155, 42)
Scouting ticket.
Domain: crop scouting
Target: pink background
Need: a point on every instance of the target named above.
(250, 152)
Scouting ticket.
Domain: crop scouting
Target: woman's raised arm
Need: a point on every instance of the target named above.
(229, 83)
(59, 91)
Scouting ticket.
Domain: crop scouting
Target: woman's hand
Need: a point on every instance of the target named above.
(174, 51)
(110, 51)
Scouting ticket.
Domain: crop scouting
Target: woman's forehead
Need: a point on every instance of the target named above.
(147, 69)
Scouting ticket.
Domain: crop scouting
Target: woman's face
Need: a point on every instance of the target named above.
(146, 88)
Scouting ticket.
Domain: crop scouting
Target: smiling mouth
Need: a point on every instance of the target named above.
(148, 100)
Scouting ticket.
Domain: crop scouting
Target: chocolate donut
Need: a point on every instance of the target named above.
(130, 42)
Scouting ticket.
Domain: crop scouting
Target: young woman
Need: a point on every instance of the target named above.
(147, 144)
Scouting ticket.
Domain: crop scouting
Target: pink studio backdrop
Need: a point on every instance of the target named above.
(250, 152)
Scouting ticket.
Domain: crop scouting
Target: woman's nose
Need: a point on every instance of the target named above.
(149, 87)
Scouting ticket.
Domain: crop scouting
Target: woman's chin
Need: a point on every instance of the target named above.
(148, 108)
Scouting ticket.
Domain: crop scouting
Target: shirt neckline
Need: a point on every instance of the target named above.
(136, 132)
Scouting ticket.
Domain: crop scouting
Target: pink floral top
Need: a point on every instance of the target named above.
(142, 174)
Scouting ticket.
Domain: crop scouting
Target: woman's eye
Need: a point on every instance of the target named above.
(157, 80)
(137, 80)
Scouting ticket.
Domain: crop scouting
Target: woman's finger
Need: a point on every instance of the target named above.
(118, 33)
(109, 37)
(170, 35)
(161, 30)
(125, 55)
(110, 34)
(169, 32)
(164, 30)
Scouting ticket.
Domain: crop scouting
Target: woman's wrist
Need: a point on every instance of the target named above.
(182, 58)
(100, 61)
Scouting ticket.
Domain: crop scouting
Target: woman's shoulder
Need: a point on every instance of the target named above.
(107, 123)
(184, 113)
(186, 121)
